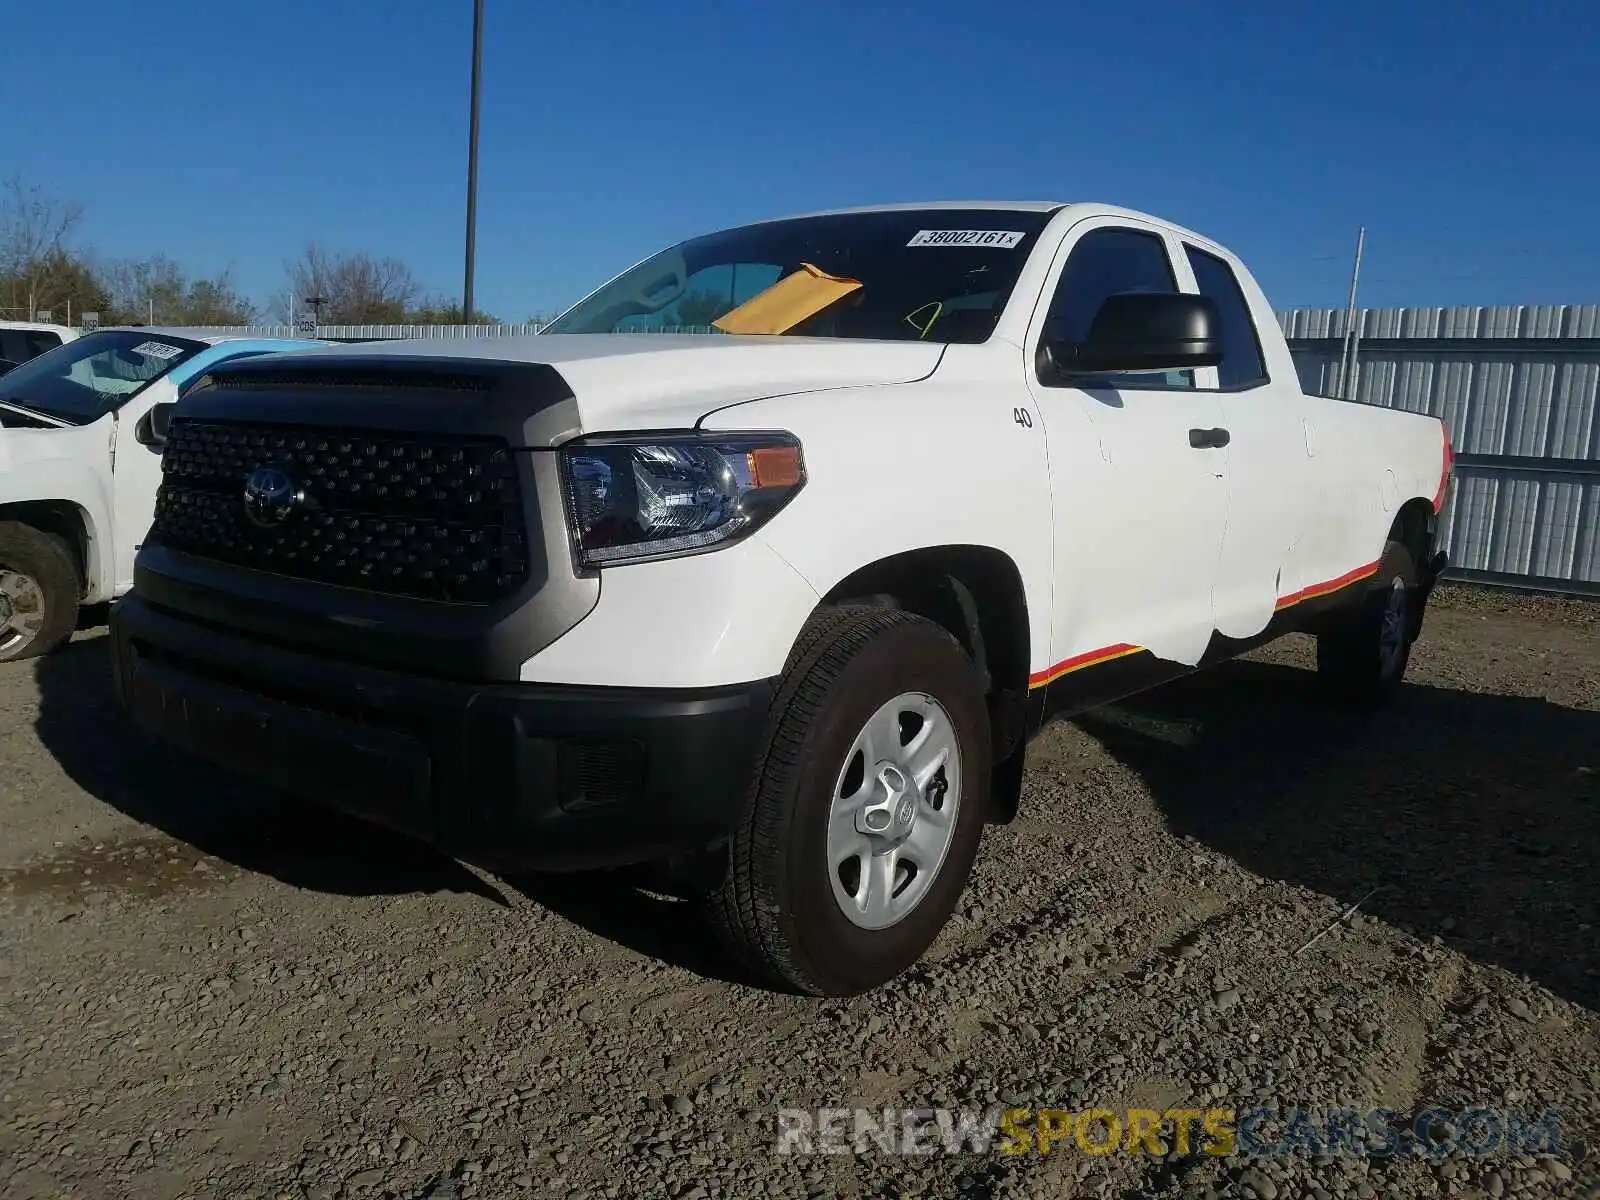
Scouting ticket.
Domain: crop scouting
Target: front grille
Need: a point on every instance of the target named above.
(429, 517)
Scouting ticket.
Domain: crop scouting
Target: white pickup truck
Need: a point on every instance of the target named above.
(779, 603)
(23, 340)
(80, 462)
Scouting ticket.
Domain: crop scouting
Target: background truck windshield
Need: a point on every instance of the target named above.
(97, 373)
(938, 275)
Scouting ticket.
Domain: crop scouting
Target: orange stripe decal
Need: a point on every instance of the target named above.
(1312, 591)
(1077, 662)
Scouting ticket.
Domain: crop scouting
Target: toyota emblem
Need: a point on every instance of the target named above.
(270, 495)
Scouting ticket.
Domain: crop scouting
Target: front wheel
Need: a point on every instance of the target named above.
(1362, 654)
(39, 590)
(867, 806)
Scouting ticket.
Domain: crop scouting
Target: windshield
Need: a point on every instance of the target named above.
(99, 372)
(938, 275)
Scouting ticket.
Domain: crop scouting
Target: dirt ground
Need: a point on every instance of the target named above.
(209, 990)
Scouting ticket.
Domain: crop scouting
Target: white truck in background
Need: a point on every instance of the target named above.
(777, 605)
(80, 462)
(23, 340)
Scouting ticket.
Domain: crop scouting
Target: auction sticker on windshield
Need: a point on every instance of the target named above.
(1002, 239)
(158, 350)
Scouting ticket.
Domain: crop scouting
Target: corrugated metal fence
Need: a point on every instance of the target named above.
(1519, 389)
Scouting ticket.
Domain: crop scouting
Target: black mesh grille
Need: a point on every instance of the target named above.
(430, 517)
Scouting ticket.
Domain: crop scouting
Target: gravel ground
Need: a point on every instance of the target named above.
(207, 990)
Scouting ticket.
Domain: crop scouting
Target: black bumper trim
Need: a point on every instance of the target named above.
(512, 776)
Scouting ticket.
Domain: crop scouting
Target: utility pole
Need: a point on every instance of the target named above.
(472, 162)
(1352, 335)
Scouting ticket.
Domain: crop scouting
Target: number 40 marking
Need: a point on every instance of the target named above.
(1022, 417)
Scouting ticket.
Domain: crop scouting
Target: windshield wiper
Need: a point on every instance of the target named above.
(33, 413)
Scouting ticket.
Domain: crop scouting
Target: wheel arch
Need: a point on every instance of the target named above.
(1416, 524)
(976, 593)
(66, 520)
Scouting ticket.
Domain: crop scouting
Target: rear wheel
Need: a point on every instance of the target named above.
(39, 592)
(1362, 654)
(867, 806)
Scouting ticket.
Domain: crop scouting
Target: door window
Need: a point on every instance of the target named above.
(1103, 263)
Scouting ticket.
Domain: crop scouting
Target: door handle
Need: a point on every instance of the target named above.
(1208, 439)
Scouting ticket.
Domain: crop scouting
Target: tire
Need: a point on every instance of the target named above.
(1353, 665)
(782, 905)
(39, 592)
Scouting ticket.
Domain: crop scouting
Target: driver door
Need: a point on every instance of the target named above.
(1139, 507)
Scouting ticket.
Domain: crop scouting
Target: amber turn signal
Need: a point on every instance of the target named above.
(775, 466)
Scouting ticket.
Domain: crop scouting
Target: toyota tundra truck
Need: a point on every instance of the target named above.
(764, 560)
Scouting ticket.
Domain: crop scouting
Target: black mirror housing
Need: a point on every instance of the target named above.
(152, 427)
(1145, 331)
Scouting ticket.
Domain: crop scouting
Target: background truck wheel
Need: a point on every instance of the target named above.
(866, 808)
(39, 592)
(1362, 654)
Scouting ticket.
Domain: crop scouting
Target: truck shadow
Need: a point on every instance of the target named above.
(1476, 816)
(622, 908)
(220, 814)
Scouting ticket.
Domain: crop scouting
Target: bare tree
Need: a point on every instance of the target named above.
(34, 226)
(355, 289)
(158, 289)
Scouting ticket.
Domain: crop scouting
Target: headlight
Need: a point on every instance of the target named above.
(655, 496)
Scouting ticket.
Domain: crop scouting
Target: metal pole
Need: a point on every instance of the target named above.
(1355, 334)
(1352, 336)
(472, 162)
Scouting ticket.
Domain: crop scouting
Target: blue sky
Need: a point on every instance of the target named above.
(228, 135)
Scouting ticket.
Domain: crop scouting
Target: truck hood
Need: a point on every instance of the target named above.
(54, 464)
(658, 381)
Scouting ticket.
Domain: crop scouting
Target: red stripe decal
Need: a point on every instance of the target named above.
(1077, 662)
(1093, 658)
(1445, 471)
(1311, 591)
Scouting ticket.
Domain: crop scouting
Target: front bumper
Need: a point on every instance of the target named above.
(513, 776)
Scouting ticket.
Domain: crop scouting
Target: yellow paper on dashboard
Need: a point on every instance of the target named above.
(786, 303)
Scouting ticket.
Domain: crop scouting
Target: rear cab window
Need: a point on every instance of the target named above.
(19, 345)
(1243, 365)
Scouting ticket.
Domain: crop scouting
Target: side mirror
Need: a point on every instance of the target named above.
(1143, 331)
(7, 365)
(152, 427)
